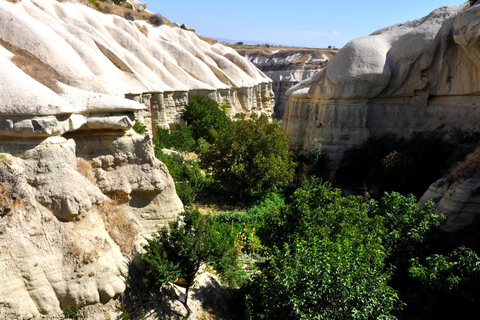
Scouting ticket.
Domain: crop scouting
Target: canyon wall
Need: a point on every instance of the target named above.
(416, 76)
(78, 187)
(286, 67)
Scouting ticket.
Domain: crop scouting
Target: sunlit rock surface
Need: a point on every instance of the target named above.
(416, 76)
(72, 82)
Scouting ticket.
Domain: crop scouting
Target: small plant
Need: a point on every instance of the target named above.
(139, 127)
(189, 180)
(74, 313)
(96, 4)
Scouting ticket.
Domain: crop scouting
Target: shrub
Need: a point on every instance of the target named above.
(450, 282)
(74, 313)
(96, 4)
(408, 227)
(157, 20)
(139, 127)
(311, 162)
(468, 168)
(390, 163)
(179, 138)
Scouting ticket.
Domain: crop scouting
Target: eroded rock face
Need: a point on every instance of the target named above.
(66, 131)
(459, 200)
(286, 67)
(417, 76)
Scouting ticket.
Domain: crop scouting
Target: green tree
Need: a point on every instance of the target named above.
(251, 158)
(327, 260)
(176, 253)
(205, 117)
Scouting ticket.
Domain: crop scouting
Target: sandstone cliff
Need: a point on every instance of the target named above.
(420, 75)
(78, 187)
(286, 67)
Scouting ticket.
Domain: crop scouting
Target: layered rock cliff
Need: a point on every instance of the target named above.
(78, 187)
(286, 67)
(416, 76)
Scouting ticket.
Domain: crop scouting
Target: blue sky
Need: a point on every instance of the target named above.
(304, 23)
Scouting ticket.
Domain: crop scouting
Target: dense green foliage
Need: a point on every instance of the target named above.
(458, 272)
(205, 117)
(189, 180)
(251, 158)
(179, 138)
(408, 227)
(450, 283)
(327, 260)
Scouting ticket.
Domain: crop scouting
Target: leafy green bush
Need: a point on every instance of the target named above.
(205, 117)
(96, 4)
(189, 180)
(179, 138)
(176, 253)
(139, 127)
(450, 282)
(408, 227)
(251, 158)
(390, 163)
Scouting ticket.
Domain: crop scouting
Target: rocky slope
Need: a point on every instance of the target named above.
(286, 67)
(420, 75)
(78, 187)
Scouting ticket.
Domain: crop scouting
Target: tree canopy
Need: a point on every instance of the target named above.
(251, 157)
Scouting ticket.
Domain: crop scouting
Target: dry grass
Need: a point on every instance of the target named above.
(468, 168)
(85, 169)
(142, 29)
(12, 195)
(208, 40)
(121, 228)
(79, 251)
(38, 71)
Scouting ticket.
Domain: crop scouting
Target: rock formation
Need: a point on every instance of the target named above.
(78, 187)
(415, 76)
(457, 195)
(286, 67)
